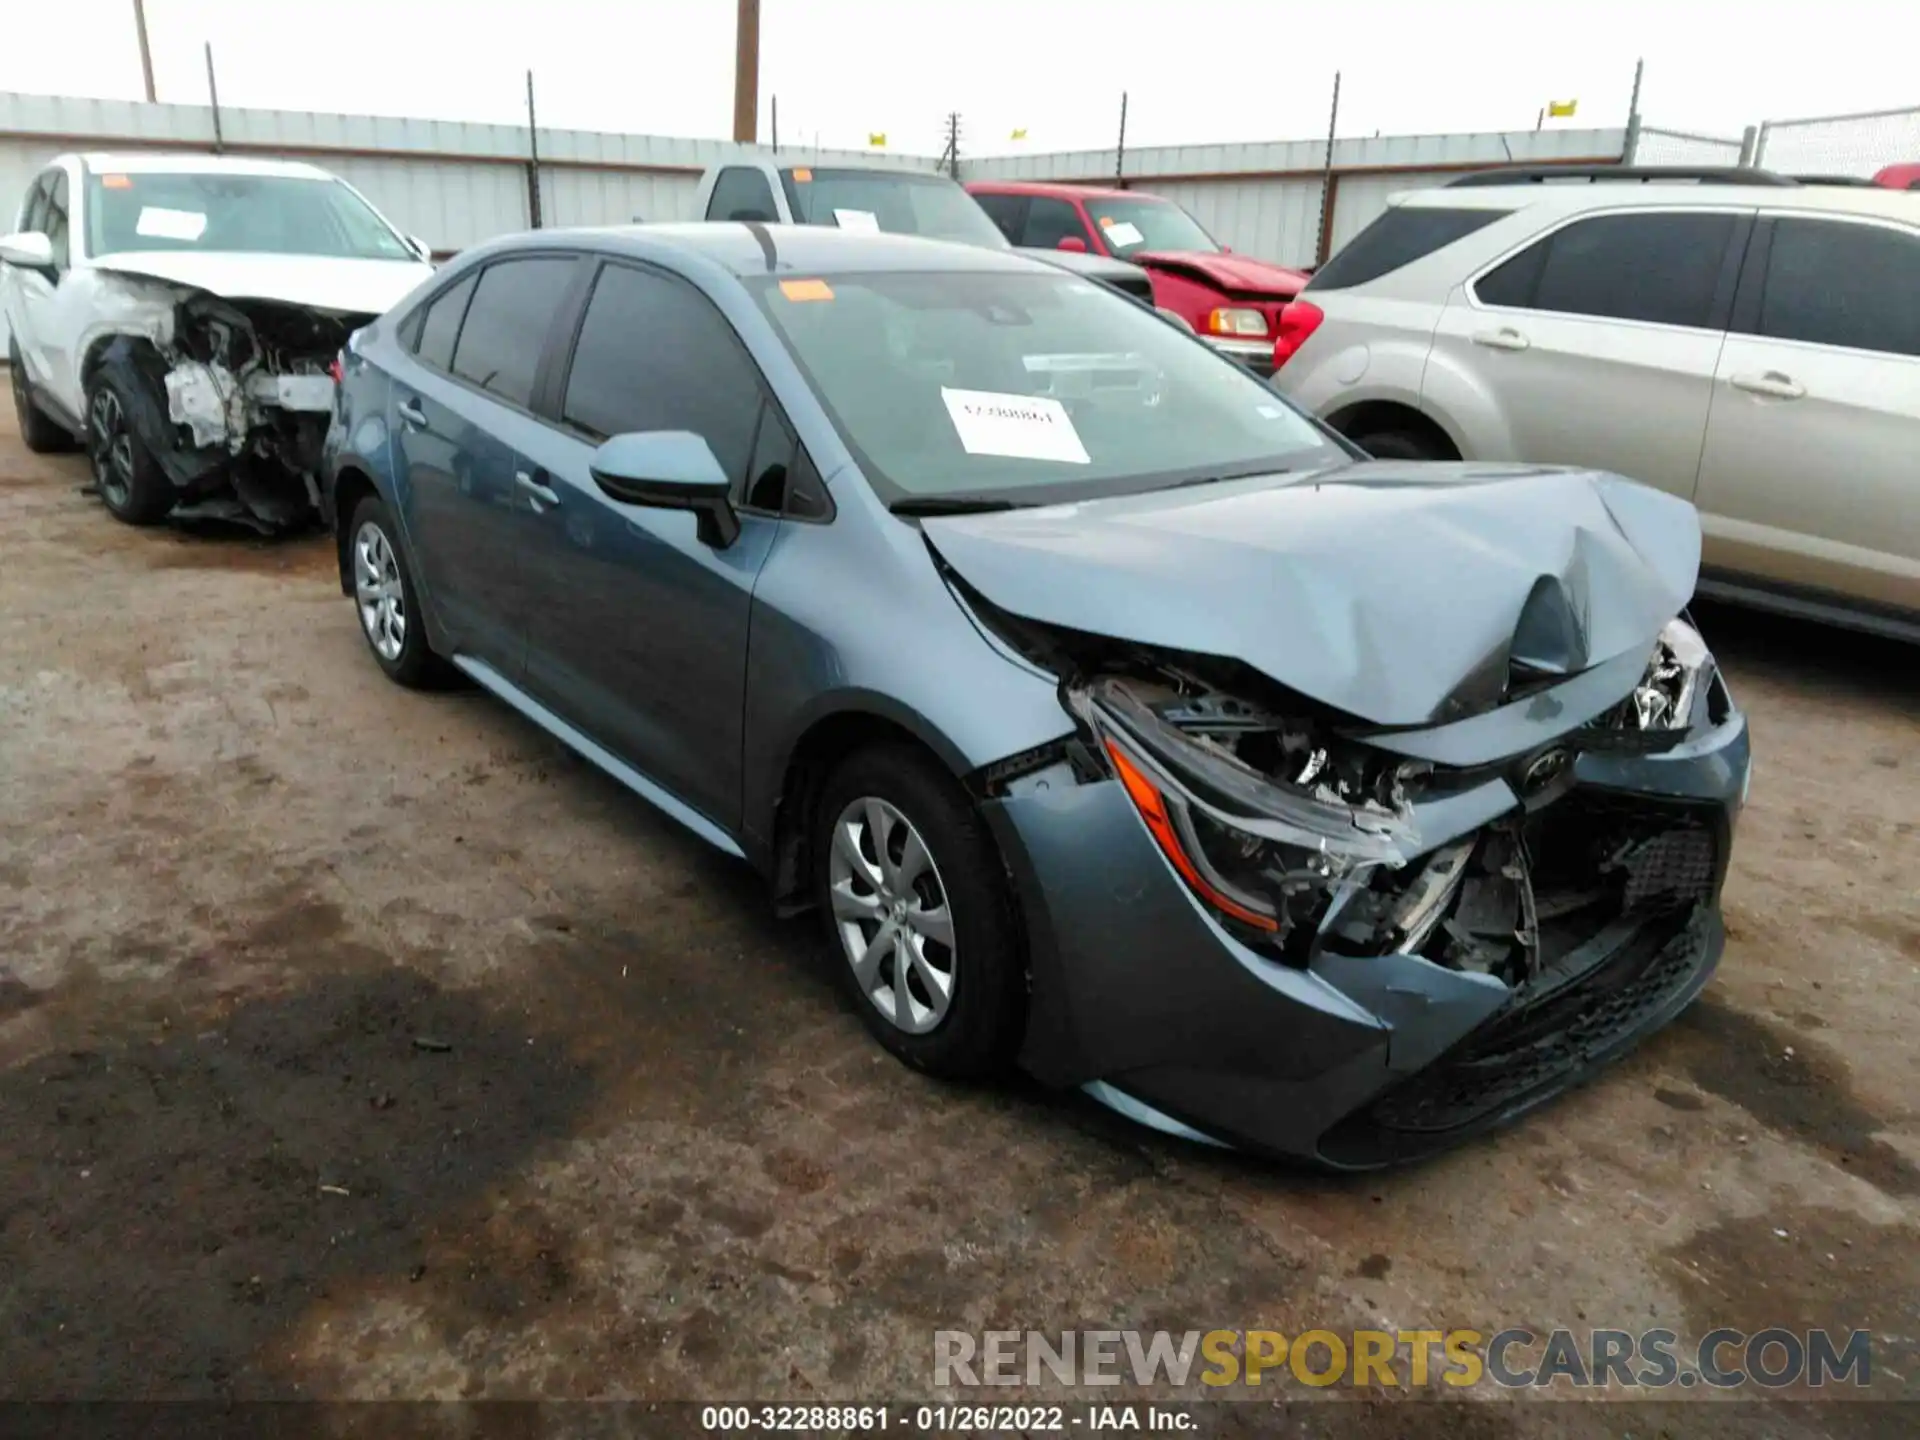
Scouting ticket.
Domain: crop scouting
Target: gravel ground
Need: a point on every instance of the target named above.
(356, 1043)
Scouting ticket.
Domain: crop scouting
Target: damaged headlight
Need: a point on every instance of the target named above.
(1266, 850)
(1664, 698)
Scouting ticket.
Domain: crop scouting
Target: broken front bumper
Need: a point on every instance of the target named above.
(1352, 1061)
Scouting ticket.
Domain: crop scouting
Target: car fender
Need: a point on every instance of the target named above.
(1467, 408)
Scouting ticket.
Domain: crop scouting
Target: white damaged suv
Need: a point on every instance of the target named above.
(179, 315)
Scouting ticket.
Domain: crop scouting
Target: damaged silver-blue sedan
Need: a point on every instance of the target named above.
(1118, 721)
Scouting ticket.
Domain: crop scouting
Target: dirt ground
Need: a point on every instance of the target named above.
(358, 1043)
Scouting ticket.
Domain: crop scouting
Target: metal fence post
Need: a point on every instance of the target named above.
(1120, 147)
(213, 97)
(1324, 226)
(1749, 145)
(1631, 147)
(533, 160)
(1760, 143)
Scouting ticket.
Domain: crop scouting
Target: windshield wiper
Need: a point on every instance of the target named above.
(950, 505)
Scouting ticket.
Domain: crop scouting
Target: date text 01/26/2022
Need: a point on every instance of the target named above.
(943, 1419)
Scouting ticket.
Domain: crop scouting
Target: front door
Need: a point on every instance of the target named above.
(1811, 475)
(1596, 344)
(636, 628)
(460, 415)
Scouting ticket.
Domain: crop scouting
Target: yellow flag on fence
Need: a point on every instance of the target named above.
(1561, 109)
(877, 139)
(1019, 134)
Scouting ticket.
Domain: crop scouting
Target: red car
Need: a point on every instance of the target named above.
(1899, 177)
(1231, 300)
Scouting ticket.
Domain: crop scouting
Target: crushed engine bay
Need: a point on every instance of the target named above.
(231, 397)
(1306, 841)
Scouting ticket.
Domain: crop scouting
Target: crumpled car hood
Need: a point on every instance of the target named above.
(351, 287)
(1235, 273)
(1403, 594)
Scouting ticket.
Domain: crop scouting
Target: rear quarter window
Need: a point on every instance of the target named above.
(1404, 234)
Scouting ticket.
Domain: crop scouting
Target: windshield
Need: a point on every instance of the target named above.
(1129, 225)
(1026, 388)
(899, 203)
(260, 214)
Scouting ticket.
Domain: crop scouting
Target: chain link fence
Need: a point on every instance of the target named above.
(1855, 146)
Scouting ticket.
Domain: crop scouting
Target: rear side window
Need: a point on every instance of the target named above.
(1404, 234)
(33, 212)
(742, 193)
(507, 323)
(1834, 283)
(654, 354)
(1660, 267)
(439, 327)
(55, 223)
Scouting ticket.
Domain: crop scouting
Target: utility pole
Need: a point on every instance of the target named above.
(146, 55)
(951, 158)
(1120, 149)
(773, 102)
(746, 74)
(1632, 147)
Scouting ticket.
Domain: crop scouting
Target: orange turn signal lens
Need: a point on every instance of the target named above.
(1152, 806)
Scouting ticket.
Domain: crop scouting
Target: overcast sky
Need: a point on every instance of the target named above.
(1197, 71)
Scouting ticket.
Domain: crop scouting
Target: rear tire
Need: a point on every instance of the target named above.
(39, 431)
(388, 603)
(1400, 445)
(131, 483)
(914, 894)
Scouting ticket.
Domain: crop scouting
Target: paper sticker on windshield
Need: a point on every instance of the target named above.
(116, 182)
(1123, 233)
(1019, 427)
(802, 176)
(806, 289)
(864, 221)
(163, 224)
(1268, 412)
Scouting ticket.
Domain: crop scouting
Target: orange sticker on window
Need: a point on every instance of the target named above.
(1105, 221)
(801, 177)
(116, 182)
(806, 289)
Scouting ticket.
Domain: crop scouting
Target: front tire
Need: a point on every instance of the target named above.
(387, 602)
(925, 934)
(39, 432)
(131, 484)
(1400, 445)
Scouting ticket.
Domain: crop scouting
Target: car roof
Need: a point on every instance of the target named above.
(161, 162)
(747, 249)
(1573, 197)
(1053, 188)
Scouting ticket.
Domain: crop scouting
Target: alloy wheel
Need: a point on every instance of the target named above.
(377, 592)
(890, 912)
(110, 447)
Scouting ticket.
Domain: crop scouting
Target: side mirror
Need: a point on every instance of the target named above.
(420, 248)
(28, 249)
(1073, 243)
(669, 470)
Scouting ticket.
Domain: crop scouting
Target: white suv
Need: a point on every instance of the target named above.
(179, 313)
(1742, 339)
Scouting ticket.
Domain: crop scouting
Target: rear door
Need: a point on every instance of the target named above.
(636, 628)
(1811, 475)
(1596, 344)
(460, 413)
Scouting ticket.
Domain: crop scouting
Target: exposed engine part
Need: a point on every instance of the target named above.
(237, 401)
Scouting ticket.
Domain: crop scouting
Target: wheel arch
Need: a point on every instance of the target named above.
(1372, 416)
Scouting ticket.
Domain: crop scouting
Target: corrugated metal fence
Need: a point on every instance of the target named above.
(454, 184)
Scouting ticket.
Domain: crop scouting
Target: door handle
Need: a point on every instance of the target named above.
(1505, 338)
(1773, 383)
(540, 494)
(413, 412)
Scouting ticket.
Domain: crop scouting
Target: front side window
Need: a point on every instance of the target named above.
(33, 210)
(654, 354)
(55, 223)
(506, 326)
(219, 210)
(1834, 283)
(1663, 267)
(741, 192)
(902, 202)
(1140, 223)
(1050, 221)
(1006, 211)
(1026, 386)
